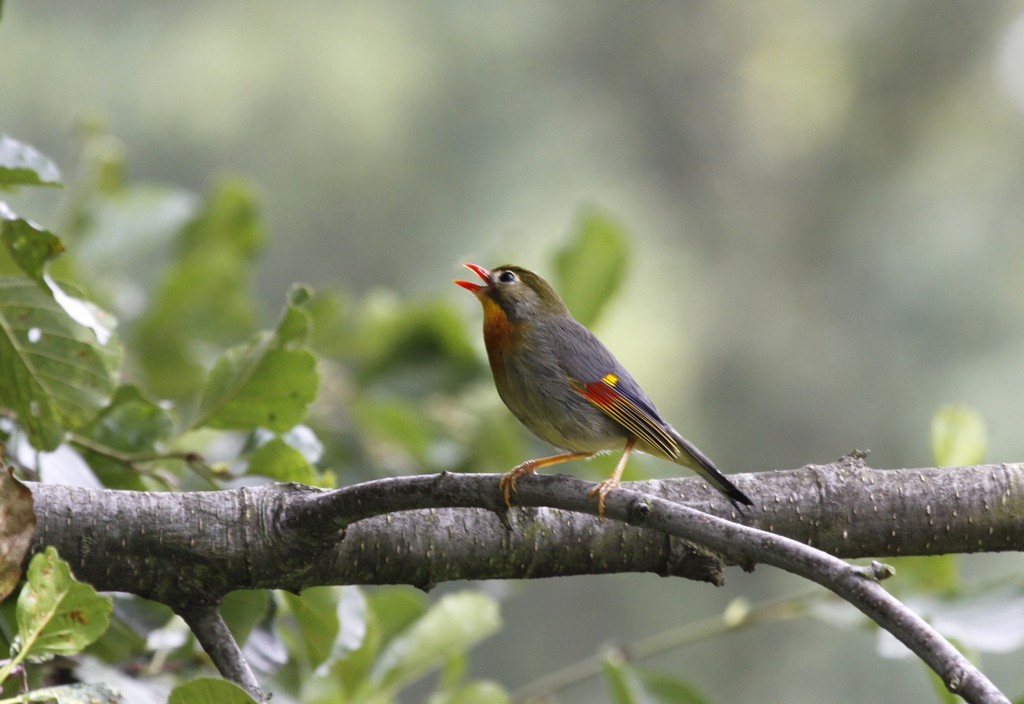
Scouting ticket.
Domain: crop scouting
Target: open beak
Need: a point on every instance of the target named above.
(479, 271)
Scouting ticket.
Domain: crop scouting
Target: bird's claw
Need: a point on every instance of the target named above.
(602, 490)
(507, 483)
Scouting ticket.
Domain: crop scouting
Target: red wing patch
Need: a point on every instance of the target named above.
(627, 412)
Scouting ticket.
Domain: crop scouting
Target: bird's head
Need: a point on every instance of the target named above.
(517, 293)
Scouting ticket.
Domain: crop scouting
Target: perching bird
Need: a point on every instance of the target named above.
(564, 385)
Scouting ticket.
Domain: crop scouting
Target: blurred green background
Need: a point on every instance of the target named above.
(826, 202)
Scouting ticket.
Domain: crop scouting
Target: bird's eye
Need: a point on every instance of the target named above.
(507, 277)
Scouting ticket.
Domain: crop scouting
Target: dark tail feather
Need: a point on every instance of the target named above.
(697, 461)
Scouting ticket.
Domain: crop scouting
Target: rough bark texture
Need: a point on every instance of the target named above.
(188, 550)
(179, 548)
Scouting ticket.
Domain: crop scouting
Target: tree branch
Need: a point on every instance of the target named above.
(423, 530)
(193, 548)
(218, 642)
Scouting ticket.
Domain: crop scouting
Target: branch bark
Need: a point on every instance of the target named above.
(218, 642)
(422, 530)
(190, 549)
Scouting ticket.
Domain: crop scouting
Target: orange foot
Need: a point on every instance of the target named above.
(507, 483)
(602, 490)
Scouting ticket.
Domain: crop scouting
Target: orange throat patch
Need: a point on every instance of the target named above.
(500, 334)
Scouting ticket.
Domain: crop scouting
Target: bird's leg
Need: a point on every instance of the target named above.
(604, 488)
(507, 484)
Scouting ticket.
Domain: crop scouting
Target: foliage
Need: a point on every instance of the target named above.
(56, 615)
(83, 372)
(337, 388)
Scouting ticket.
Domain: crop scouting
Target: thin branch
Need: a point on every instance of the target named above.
(747, 546)
(215, 637)
(132, 460)
(686, 634)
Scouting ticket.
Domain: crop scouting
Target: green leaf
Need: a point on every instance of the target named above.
(942, 693)
(29, 245)
(623, 681)
(58, 359)
(630, 685)
(669, 689)
(17, 526)
(424, 344)
(122, 236)
(331, 313)
(243, 609)
(930, 574)
(204, 299)
(269, 382)
(394, 425)
(316, 614)
(386, 613)
(209, 690)
(590, 268)
(958, 437)
(480, 692)
(23, 165)
(57, 614)
(131, 424)
(451, 627)
(279, 460)
(396, 609)
(74, 694)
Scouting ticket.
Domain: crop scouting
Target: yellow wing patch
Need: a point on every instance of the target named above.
(625, 411)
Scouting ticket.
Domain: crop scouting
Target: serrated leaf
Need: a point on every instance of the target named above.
(55, 373)
(131, 424)
(17, 526)
(451, 627)
(268, 383)
(592, 266)
(204, 298)
(23, 165)
(57, 614)
(30, 245)
(74, 694)
(316, 613)
(958, 437)
(208, 690)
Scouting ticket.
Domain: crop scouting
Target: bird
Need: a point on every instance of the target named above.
(568, 389)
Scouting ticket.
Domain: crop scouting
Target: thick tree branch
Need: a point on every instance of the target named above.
(188, 546)
(190, 549)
